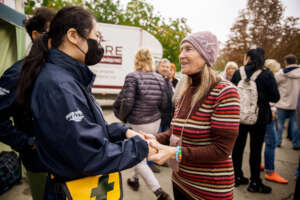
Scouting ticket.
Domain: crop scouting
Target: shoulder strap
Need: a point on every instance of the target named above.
(243, 73)
(255, 74)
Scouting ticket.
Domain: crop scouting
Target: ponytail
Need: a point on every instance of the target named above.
(30, 70)
(68, 17)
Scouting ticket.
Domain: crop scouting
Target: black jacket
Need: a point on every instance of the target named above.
(142, 99)
(267, 91)
(73, 139)
(169, 109)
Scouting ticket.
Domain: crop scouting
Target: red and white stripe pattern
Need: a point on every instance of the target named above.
(219, 112)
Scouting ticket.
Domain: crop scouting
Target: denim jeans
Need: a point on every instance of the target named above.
(271, 141)
(282, 115)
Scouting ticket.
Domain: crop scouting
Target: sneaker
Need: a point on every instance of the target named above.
(133, 184)
(259, 187)
(262, 167)
(275, 178)
(240, 180)
(162, 195)
(154, 168)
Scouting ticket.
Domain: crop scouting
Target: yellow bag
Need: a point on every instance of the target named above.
(101, 187)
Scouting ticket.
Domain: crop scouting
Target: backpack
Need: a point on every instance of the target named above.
(248, 97)
(10, 170)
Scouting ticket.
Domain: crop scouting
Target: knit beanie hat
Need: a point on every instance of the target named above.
(206, 44)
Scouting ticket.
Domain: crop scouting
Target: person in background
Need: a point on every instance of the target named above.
(229, 70)
(267, 92)
(164, 69)
(297, 191)
(204, 126)
(74, 140)
(172, 75)
(288, 80)
(271, 135)
(13, 133)
(141, 104)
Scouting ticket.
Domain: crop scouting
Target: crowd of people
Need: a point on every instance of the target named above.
(197, 126)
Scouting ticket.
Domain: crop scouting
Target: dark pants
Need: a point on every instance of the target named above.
(257, 134)
(52, 191)
(37, 183)
(178, 194)
(297, 189)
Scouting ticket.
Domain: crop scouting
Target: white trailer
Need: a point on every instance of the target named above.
(120, 45)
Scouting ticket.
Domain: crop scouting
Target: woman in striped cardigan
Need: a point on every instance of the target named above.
(204, 126)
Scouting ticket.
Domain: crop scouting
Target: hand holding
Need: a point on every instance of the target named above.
(147, 135)
(164, 154)
(153, 149)
(131, 133)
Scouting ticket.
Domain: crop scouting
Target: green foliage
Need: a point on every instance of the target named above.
(108, 11)
(138, 13)
(169, 32)
(31, 5)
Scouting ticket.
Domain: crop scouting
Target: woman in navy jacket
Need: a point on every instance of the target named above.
(73, 139)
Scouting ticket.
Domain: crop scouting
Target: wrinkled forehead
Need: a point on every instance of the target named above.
(185, 44)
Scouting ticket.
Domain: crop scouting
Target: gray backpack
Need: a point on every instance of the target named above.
(248, 97)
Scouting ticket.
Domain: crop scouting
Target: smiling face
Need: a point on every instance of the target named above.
(191, 60)
(230, 71)
(164, 69)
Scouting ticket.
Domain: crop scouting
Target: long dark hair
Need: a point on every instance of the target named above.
(257, 58)
(39, 20)
(68, 17)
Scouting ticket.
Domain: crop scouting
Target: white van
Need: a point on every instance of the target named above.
(120, 45)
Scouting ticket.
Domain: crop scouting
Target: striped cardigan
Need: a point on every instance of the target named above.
(206, 169)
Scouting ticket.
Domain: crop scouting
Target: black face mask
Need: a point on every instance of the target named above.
(94, 54)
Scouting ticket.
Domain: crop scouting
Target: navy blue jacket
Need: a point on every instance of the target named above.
(73, 139)
(9, 134)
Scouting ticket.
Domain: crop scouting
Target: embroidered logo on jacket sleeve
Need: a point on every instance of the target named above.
(75, 116)
(4, 91)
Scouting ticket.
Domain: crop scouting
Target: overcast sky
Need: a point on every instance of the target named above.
(216, 16)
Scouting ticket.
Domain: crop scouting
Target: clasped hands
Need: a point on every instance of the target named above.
(157, 153)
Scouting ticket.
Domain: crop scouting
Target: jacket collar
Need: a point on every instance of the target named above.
(78, 70)
(290, 68)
